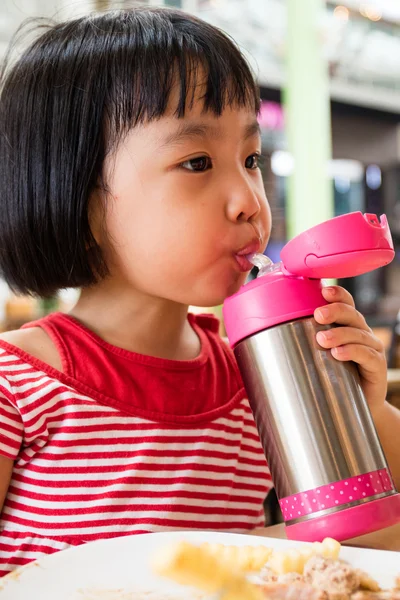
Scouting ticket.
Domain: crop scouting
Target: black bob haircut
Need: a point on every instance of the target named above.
(69, 99)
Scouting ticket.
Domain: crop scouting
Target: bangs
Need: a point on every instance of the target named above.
(158, 50)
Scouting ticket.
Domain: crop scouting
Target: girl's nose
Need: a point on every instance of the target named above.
(243, 203)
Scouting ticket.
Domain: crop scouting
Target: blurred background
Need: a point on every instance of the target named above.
(358, 45)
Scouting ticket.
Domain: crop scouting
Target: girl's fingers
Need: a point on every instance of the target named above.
(341, 336)
(342, 314)
(372, 362)
(337, 294)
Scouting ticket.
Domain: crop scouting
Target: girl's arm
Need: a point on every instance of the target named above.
(6, 468)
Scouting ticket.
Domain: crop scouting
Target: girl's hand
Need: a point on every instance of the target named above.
(354, 342)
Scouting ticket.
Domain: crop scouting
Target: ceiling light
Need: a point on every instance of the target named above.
(342, 13)
(371, 11)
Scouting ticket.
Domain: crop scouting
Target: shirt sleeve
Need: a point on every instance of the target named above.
(11, 425)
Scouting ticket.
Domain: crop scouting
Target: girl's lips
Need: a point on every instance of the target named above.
(244, 264)
(252, 248)
(241, 256)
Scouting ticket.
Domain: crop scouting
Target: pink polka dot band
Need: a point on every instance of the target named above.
(336, 494)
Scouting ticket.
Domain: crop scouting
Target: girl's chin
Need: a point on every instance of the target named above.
(213, 292)
(236, 285)
(216, 297)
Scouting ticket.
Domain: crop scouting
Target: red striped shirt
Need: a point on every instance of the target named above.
(119, 443)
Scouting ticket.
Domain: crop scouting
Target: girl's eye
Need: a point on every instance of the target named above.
(253, 161)
(198, 164)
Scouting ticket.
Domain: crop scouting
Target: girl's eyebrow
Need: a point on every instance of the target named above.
(252, 130)
(193, 131)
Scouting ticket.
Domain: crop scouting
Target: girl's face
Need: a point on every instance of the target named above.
(186, 199)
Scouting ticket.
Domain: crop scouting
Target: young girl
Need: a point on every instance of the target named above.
(129, 168)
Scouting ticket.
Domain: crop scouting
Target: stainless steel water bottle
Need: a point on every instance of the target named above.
(325, 458)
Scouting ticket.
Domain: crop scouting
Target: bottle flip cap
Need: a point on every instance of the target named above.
(344, 246)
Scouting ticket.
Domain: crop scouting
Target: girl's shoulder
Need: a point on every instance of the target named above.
(35, 342)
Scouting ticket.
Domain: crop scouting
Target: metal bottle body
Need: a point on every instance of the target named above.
(312, 417)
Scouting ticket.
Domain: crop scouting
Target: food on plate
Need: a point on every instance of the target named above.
(196, 566)
(393, 594)
(246, 558)
(309, 572)
(294, 559)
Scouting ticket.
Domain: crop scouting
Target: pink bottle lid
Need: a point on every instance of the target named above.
(345, 246)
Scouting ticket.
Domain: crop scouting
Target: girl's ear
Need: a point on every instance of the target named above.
(96, 216)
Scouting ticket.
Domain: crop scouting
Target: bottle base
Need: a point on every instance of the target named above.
(350, 522)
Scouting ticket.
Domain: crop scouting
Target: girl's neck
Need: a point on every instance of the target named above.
(137, 322)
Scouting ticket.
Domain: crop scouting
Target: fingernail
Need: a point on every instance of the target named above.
(323, 313)
(330, 290)
(324, 336)
(339, 350)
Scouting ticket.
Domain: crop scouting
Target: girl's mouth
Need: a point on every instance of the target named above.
(241, 255)
(244, 264)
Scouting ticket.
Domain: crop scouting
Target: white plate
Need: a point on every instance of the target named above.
(119, 568)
